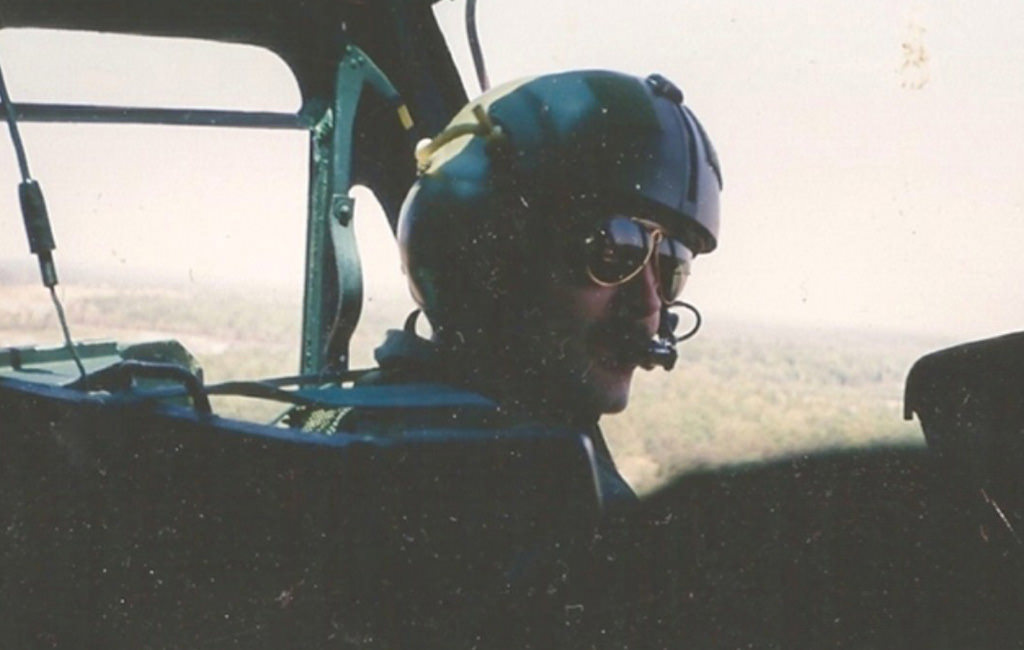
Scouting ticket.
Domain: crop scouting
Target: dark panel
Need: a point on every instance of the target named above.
(128, 527)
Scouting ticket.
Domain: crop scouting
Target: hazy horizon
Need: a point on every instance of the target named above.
(392, 300)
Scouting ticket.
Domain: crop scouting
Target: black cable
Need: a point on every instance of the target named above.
(698, 321)
(37, 222)
(12, 124)
(67, 333)
(474, 46)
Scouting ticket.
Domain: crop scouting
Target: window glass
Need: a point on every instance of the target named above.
(386, 298)
(67, 67)
(163, 232)
(192, 233)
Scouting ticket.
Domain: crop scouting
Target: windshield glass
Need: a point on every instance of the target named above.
(871, 210)
(163, 232)
(170, 232)
(68, 67)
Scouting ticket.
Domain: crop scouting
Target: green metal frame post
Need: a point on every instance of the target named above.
(325, 336)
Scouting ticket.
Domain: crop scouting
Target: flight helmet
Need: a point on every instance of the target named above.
(530, 162)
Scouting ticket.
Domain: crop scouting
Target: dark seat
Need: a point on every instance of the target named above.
(134, 525)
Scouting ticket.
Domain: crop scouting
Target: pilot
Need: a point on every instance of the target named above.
(547, 239)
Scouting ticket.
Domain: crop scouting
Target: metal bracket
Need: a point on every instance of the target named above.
(333, 302)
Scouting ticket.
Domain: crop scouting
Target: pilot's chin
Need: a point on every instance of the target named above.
(614, 401)
(616, 407)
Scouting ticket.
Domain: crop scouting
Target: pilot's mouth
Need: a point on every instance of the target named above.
(620, 346)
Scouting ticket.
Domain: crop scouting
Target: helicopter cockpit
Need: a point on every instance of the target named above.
(153, 493)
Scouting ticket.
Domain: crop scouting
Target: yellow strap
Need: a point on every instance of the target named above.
(405, 117)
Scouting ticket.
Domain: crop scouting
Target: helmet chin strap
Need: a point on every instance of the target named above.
(661, 351)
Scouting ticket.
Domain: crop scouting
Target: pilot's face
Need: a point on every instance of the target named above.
(584, 329)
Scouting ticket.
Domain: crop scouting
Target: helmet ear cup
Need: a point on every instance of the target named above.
(465, 270)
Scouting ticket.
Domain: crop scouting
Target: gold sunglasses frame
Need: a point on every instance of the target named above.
(657, 234)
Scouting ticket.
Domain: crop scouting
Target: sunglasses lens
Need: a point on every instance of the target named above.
(616, 250)
(620, 248)
(673, 268)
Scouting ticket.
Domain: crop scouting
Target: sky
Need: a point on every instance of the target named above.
(871, 152)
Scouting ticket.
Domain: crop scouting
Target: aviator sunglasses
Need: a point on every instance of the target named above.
(618, 250)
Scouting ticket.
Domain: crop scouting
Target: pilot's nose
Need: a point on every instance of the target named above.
(642, 296)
